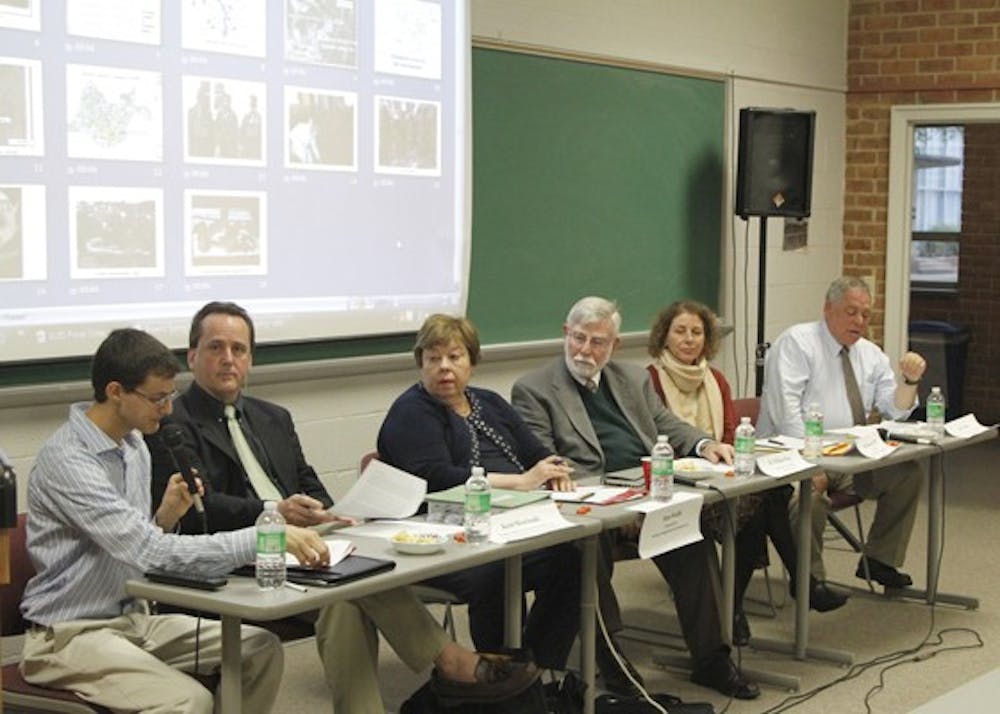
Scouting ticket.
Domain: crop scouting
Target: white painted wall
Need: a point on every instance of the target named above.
(784, 53)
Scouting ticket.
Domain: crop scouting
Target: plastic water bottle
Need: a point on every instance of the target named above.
(813, 446)
(661, 470)
(746, 440)
(477, 507)
(270, 565)
(935, 411)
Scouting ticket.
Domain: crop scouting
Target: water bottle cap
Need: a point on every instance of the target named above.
(270, 505)
(744, 420)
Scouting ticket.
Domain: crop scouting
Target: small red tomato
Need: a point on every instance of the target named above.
(459, 537)
(583, 510)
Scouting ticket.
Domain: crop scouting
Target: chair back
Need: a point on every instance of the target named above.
(365, 460)
(747, 407)
(21, 570)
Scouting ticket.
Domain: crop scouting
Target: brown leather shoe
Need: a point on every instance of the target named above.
(498, 677)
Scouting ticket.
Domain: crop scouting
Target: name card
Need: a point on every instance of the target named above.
(782, 464)
(526, 522)
(669, 525)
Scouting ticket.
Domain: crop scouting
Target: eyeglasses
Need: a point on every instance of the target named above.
(580, 339)
(158, 402)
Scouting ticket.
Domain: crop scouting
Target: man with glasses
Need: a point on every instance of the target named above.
(247, 451)
(90, 530)
(604, 416)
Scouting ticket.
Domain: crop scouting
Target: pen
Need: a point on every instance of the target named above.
(295, 586)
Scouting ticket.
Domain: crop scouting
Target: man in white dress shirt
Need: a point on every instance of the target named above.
(816, 363)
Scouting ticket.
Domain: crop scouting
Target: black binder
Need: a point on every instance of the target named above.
(350, 568)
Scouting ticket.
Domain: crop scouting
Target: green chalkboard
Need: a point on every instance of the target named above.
(590, 179)
(587, 179)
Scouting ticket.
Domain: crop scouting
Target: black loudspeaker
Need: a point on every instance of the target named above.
(774, 174)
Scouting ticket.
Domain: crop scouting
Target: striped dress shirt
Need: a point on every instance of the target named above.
(90, 530)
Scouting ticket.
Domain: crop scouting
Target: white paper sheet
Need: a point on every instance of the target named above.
(382, 491)
(339, 549)
(669, 525)
(526, 522)
(964, 427)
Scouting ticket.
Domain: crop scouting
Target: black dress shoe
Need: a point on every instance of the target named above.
(497, 678)
(821, 597)
(741, 629)
(883, 574)
(719, 673)
(613, 678)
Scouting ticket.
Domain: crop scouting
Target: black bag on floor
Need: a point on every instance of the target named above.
(613, 704)
(425, 701)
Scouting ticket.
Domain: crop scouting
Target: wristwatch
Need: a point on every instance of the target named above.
(907, 382)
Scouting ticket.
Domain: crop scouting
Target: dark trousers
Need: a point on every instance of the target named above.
(769, 521)
(554, 620)
(687, 570)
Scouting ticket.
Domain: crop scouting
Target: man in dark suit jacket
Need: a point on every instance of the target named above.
(220, 354)
(604, 417)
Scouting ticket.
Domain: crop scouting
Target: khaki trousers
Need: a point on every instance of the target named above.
(347, 639)
(897, 490)
(137, 662)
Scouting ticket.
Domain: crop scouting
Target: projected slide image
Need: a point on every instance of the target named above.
(115, 232)
(408, 38)
(114, 113)
(20, 14)
(22, 232)
(226, 233)
(321, 129)
(224, 121)
(21, 132)
(236, 27)
(321, 32)
(122, 20)
(407, 136)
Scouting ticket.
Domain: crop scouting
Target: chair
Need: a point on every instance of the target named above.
(17, 693)
(427, 594)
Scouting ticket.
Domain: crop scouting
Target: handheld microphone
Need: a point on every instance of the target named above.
(908, 438)
(172, 436)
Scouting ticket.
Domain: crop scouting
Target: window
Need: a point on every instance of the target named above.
(938, 153)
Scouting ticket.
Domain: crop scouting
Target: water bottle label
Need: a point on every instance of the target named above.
(477, 502)
(745, 444)
(935, 411)
(814, 428)
(661, 466)
(271, 543)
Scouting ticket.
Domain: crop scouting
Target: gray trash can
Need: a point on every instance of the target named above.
(945, 346)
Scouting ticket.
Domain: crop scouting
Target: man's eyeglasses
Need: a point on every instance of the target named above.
(580, 339)
(158, 402)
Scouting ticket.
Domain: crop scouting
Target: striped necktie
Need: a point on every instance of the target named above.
(258, 477)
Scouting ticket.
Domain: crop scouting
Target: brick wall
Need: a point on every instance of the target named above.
(919, 52)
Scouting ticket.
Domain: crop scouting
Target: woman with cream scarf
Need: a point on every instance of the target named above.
(683, 338)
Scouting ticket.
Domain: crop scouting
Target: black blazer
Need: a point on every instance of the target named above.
(230, 502)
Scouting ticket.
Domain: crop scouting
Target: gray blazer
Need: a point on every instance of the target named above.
(549, 402)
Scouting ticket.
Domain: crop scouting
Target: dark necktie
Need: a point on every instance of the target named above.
(851, 384)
